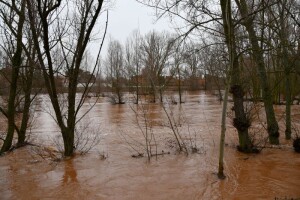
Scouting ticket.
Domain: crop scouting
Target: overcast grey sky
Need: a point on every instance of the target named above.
(129, 15)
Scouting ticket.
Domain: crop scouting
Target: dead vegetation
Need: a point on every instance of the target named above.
(179, 136)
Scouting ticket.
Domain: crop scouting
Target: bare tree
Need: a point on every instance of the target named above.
(177, 68)
(15, 25)
(133, 61)
(70, 30)
(240, 122)
(281, 25)
(145, 126)
(214, 59)
(115, 70)
(248, 22)
(192, 62)
(174, 125)
(156, 49)
(201, 17)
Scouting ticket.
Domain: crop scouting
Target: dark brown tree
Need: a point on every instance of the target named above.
(156, 52)
(257, 52)
(16, 62)
(71, 30)
(115, 69)
(133, 61)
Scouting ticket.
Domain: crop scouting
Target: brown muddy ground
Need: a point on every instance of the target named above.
(275, 173)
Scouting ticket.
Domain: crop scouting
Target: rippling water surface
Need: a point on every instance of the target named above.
(273, 173)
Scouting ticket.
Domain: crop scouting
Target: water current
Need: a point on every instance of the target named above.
(109, 171)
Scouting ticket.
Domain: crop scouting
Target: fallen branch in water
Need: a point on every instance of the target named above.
(160, 154)
(140, 155)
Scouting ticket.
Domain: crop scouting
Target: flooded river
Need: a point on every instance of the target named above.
(109, 171)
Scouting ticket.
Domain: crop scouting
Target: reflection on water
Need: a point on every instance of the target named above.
(70, 174)
(273, 173)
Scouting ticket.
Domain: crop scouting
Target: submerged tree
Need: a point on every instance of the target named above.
(214, 59)
(192, 62)
(115, 70)
(240, 122)
(71, 31)
(257, 52)
(133, 61)
(16, 27)
(201, 16)
(177, 69)
(156, 51)
(283, 33)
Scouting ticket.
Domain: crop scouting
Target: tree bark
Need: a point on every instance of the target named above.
(137, 84)
(16, 63)
(26, 115)
(288, 129)
(88, 19)
(27, 103)
(179, 84)
(273, 128)
(287, 69)
(240, 122)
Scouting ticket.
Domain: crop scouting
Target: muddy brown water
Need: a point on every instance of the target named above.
(275, 173)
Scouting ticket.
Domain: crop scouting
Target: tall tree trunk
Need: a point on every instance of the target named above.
(137, 84)
(240, 122)
(26, 108)
(16, 63)
(273, 128)
(287, 69)
(153, 90)
(223, 131)
(71, 121)
(89, 18)
(288, 129)
(179, 85)
(161, 94)
(68, 138)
